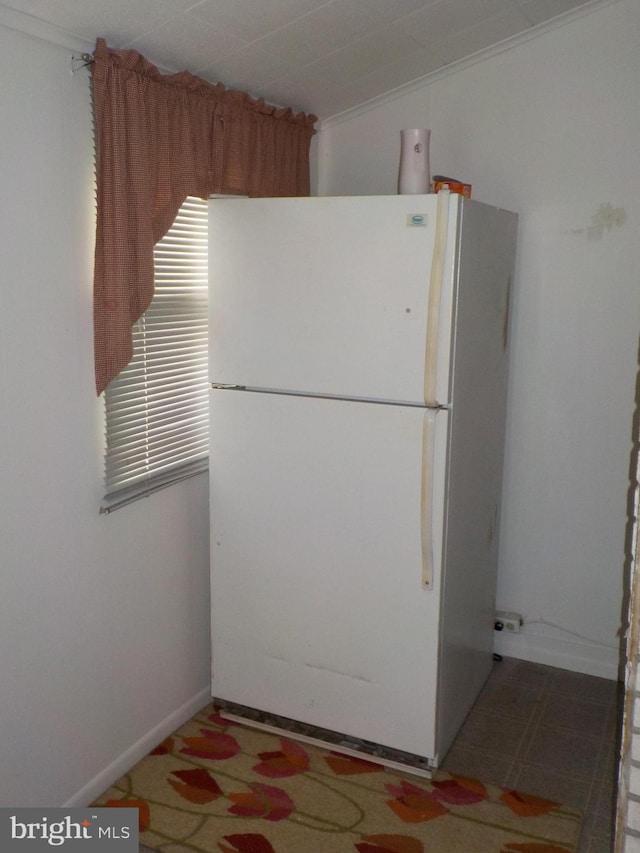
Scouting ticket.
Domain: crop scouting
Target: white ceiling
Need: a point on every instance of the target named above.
(320, 56)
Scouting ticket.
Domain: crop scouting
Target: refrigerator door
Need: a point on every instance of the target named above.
(333, 296)
(320, 553)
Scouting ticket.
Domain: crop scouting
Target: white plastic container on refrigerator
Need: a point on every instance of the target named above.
(358, 357)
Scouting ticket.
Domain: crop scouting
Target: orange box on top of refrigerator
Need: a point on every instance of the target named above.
(455, 187)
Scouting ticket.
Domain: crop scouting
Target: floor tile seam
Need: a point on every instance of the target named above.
(563, 675)
(505, 757)
(497, 712)
(520, 669)
(607, 787)
(494, 714)
(577, 687)
(608, 757)
(588, 700)
(573, 776)
(602, 835)
(604, 743)
(488, 754)
(524, 772)
(607, 839)
(534, 697)
(584, 778)
(597, 789)
(513, 777)
(597, 779)
(607, 801)
(514, 687)
(530, 730)
(615, 712)
(593, 822)
(510, 774)
(559, 729)
(523, 683)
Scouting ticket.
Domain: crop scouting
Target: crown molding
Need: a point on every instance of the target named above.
(527, 35)
(31, 26)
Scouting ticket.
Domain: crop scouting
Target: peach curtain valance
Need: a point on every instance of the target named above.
(159, 139)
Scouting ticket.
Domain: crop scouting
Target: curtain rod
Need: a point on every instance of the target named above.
(85, 58)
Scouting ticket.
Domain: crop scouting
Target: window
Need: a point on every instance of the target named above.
(157, 408)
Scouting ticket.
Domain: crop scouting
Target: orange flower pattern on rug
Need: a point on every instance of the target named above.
(459, 791)
(287, 761)
(526, 805)
(262, 801)
(350, 765)
(213, 745)
(250, 843)
(413, 804)
(203, 782)
(196, 786)
(165, 748)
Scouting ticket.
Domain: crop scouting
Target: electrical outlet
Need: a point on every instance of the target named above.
(511, 622)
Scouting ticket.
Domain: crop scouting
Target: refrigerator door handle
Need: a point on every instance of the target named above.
(435, 293)
(427, 497)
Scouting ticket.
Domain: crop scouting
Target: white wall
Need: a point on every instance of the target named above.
(104, 621)
(549, 127)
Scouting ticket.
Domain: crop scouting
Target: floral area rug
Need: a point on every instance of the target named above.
(216, 785)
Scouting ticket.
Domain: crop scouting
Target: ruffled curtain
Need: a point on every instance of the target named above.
(159, 139)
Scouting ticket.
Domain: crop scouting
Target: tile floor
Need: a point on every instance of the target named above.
(550, 732)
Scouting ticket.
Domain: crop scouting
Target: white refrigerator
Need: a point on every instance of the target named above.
(358, 358)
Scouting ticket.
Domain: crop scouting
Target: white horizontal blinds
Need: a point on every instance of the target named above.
(157, 409)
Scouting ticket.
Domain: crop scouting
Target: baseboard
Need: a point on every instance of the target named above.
(99, 784)
(572, 654)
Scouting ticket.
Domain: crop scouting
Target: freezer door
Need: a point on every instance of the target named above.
(320, 611)
(331, 295)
